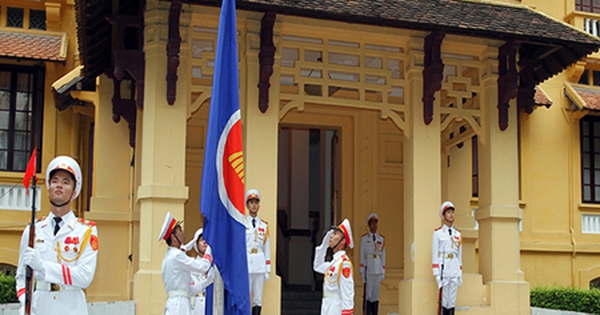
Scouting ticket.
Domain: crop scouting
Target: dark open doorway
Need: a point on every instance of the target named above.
(308, 204)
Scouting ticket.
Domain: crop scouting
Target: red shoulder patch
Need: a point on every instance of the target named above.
(94, 242)
(346, 271)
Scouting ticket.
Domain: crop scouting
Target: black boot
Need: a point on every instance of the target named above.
(256, 310)
(445, 311)
(375, 308)
(368, 308)
(451, 311)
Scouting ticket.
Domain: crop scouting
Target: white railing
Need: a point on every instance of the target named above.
(590, 224)
(14, 197)
(591, 26)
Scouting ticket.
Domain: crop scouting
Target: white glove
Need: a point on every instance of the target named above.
(364, 277)
(22, 299)
(459, 281)
(187, 247)
(266, 276)
(438, 279)
(326, 238)
(32, 258)
(381, 277)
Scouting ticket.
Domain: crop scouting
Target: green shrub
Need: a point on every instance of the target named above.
(8, 293)
(566, 299)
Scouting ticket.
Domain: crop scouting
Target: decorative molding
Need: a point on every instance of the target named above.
(129, 62)
(53, 13)
(266, 59)
(173, 50)
(433, 73)
(125, 108)
(526, 92)
(507, 79)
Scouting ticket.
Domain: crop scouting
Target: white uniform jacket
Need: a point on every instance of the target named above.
(69, 261)
(258, 247)
(446, 252)
(200, 281)
(372, 253)
(338, 284)
(177, 268)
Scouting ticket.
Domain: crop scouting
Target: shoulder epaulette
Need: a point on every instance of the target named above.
(438, 228)
(382, 236)
(459, 231)
(345, 258)
(264, 221)
(86, 222)
(40, 219)
(364, 234)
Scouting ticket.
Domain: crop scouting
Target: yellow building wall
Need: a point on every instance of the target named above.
(373, 169)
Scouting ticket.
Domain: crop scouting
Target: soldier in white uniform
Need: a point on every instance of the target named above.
(446, 259)
(200, 281)
(65, 249)
(177, 268)
(372, 264)
(338, 285)
(257, 245)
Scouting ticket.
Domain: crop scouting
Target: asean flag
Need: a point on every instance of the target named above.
(222, 195)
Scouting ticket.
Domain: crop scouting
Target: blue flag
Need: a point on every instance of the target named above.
(222, 195)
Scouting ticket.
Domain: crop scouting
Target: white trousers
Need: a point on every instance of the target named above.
(372, 290)
(449, 289)
(177, 305)
(257, 282)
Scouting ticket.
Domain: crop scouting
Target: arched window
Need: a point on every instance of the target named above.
(8, 269)
(595, 284)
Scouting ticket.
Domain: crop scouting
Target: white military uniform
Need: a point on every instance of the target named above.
(259, 256)
(446, 260)
(372, 258)
(338, 285)
(70, 263)
(200, 281)
(177, 268)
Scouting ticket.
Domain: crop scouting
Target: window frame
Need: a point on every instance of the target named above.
(592, 151)
(591, 7)
(37, 103)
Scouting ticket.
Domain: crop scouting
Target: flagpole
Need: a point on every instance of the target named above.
(29, 272)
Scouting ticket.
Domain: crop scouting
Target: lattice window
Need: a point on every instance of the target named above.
(344, 73)
(14, 17)
(37, 19)
(460, 98)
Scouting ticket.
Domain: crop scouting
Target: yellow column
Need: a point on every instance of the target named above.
(162, 157)
(261, 144)
(457, 169)
(499, 214)
(110, 206)
(422, 178)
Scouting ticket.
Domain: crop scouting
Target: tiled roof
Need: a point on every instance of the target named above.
(32, 46)
(540, 98)
(457, 16)
(587, 97)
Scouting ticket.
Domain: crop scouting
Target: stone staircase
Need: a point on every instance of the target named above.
(300, 302)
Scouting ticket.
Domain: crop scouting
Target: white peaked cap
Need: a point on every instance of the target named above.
(371, 217)
(167, 227)
(252, 194)
(445, 206)
(347, 230)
